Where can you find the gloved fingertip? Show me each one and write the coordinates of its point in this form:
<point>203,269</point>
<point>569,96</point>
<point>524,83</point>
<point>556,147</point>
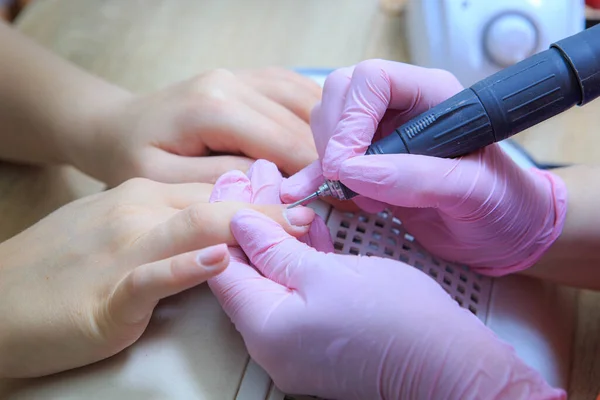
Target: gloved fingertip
<point>248,223</point>
<point>261,168</point>
<point>257,234</point>
<point>265,179</point>
<point>232,186</point>
<point>302,183</point>
<point>232,176</point>
<point>244,213</point>
<point>320,236</point>
<point>295,188</point>
<point>314,112</point>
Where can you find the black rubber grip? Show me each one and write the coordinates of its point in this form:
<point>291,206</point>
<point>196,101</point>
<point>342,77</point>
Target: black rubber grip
<point>446,130</point>
<point>505,103</point>
<point>528,93</point>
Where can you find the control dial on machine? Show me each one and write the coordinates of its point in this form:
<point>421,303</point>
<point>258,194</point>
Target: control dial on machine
<point>510,38</point>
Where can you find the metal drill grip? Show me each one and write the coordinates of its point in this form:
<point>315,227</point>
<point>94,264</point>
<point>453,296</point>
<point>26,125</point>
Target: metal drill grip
<point>336,189</point>
<point>503,104</point>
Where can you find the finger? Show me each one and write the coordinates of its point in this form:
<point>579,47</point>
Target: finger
<point>406,180</point>
<point>209,224</point>
<point>257,136</point>
<point>294,125</point>
<point>377,85</point>
<point>318,236</point>
<point>266,180</point>
<point>136,296</point>
<point>183,195</point>
<point>297,100</point>
<point>296,77</point>
<point>325,115</point>
<point>268,246</point>
<point>176,169</point>
<point>232,186</point>
<point>175,195</point>
<point>295,92</point>
<point>302,184</point>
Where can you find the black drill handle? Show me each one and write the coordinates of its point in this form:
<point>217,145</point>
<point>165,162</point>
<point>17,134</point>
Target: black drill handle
<point>505,103</point>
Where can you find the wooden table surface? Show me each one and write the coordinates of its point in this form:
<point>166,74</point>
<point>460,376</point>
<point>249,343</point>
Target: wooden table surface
<point>144,45</point>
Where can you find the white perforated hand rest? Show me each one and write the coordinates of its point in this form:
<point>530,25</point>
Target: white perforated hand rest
<point>383,235</point>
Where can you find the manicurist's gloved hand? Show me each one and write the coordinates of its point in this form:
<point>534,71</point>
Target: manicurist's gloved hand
<point>482,209</point>
<point>347,327</point>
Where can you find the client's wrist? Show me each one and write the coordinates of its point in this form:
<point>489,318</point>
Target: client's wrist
<point>88,145</point>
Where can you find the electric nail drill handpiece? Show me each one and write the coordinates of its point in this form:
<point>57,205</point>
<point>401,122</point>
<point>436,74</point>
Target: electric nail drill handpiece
<point>497,107</point>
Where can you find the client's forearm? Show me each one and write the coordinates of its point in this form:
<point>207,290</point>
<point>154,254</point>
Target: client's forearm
<point>46,104</point>
<point>574,259</point>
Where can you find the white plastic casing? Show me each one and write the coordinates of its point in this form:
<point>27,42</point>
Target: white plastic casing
<point>475,38</point>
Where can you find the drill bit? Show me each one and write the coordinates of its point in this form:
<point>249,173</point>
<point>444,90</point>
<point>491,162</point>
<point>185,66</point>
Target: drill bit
<point>323,190</point>
<point>304,200</point>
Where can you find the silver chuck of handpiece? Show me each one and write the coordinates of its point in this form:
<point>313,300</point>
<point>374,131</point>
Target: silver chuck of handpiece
<point>329,188</point>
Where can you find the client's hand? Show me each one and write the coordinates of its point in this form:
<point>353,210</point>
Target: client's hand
<point>198,129</point>
<point>81,284</point>
<point>346,327</point>
<point>482,210</point>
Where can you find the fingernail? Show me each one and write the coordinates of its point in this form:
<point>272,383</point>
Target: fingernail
<point>299,216</point>
<point>211,256</point>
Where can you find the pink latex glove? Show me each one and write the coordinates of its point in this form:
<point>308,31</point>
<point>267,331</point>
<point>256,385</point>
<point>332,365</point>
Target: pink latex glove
<point>482,210</point>
<point>348,327</point>
<point>262,186</point>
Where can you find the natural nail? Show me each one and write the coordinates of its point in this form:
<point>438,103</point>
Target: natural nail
<point>211,256</point>
<point>299,216</point>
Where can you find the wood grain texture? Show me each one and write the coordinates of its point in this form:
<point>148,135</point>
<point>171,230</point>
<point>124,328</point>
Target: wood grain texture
<point>144,45</point>
<point>585,376</point>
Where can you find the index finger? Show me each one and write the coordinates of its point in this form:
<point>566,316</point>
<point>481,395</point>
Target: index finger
<point>207,224</point>
<point>375,87</point>
<point>293,91</point>
<point>256,135</point>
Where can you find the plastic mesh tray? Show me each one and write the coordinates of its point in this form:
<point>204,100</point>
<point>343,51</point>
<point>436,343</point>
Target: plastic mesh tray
<point>383,235</point>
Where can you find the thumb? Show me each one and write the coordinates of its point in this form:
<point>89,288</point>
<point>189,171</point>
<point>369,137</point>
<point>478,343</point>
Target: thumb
<point>138,293</point>
<point>269,247</point>
<point>408,180</point>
